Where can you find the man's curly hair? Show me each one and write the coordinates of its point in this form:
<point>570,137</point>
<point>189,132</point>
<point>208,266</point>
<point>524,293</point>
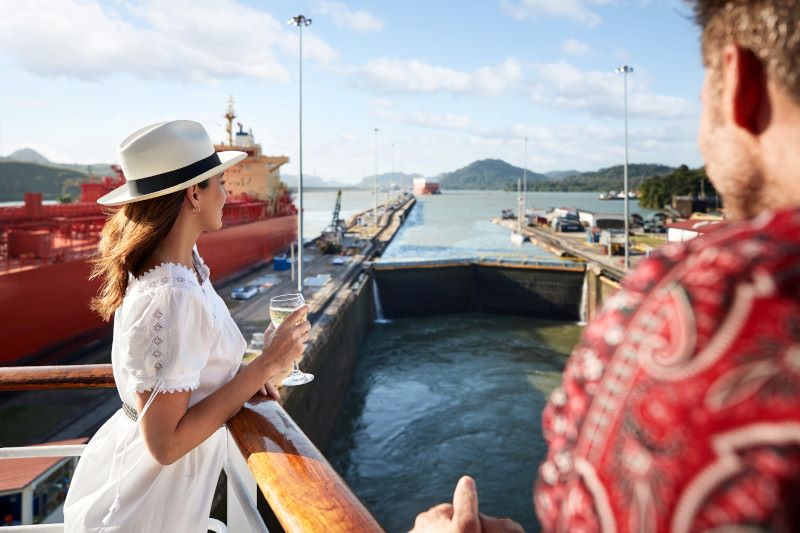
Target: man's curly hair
<point>770,29</point>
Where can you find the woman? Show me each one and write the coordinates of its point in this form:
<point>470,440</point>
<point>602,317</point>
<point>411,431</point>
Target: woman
<point>176,351</point>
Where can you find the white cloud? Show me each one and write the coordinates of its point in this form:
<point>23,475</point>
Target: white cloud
<point>380,102</point>
<point>575,48</point>
<point>387,75</point>
<point>151,39</point>
<point>425,119</point>
<point>601,93</point>
<point>576,10</point>
<point>359,21</point>
<point>588,146</point>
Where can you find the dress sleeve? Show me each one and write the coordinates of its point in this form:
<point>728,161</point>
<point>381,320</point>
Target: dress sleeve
<point>169,341</point>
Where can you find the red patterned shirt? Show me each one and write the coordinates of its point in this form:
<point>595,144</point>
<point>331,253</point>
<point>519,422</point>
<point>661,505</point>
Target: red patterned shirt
<point>679,409</point>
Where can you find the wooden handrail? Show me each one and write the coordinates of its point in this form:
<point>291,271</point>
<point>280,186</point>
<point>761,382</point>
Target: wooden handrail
<point>17,378</point>
<point>301,487</point>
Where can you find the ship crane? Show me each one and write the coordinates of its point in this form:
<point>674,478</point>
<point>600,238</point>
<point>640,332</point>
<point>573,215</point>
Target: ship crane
<point>330,242</point>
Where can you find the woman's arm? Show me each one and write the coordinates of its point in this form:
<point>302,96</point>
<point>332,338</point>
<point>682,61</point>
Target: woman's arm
<point>170,430</point>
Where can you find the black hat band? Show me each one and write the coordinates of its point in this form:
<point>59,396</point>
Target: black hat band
<point>160,182</point>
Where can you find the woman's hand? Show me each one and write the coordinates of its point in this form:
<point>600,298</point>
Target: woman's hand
<point>283,345</point>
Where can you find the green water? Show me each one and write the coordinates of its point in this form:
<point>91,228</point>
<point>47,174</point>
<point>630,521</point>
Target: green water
<point>443,396</point>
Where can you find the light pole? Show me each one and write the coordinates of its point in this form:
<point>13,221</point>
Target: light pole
<point>375,180</point>
<point>394,178</point>
<point>625,70</point>
<point>525,184</point>
<point>300,21</point>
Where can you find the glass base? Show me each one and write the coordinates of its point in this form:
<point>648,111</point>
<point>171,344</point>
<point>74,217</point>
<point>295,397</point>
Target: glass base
<point>297,378</point>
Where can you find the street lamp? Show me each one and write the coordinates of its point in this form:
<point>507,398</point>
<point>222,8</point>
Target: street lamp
<point>625,70</point>
<point>525,183</point>
<point>300,21</point>
<point>375,180</point>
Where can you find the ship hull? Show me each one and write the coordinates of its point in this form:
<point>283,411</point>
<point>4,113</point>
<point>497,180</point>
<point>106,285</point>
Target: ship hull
<point>44,311</point>
<point>426,188</point>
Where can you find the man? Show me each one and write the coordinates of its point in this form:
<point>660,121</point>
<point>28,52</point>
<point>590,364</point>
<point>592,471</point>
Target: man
<point>679,408</point>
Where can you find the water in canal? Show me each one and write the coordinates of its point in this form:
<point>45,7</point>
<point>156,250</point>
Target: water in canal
<point>437,397</point>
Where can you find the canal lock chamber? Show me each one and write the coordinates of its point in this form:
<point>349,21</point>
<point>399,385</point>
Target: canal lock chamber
<point>450,379</point>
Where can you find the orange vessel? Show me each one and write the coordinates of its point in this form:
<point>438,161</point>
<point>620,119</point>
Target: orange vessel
<point>44,253</point>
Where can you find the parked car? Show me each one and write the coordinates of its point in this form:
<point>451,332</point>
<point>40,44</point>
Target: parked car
<point>567,224</point>
<point>244,293</point>
<point>655,223</point>
<point>636,220</point>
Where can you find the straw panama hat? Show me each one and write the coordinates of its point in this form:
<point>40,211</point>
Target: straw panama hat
<point>167,157</point>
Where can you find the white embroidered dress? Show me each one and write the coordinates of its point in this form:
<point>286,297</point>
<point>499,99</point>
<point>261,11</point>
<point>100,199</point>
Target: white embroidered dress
<point>170,334</point>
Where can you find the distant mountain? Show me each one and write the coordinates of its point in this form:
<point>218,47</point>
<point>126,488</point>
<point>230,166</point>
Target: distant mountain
<point>17,178</point>
<point>309,180</point>
<point>605,179</point>
<point>487,174</point>
<point>29,155</point>
<point>402,180</point>
<point>561,174</point>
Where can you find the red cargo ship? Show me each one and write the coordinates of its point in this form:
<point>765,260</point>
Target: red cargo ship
<point>426,186</point>
<point>44,253</point>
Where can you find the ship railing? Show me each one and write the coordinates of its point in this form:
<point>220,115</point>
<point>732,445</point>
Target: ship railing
<point>302,490</point>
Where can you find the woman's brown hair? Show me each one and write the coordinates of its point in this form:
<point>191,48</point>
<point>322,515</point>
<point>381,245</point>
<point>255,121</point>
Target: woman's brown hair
<point>129,237</point>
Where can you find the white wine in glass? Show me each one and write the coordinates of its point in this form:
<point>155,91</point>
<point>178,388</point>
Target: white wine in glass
<point>279,308</point>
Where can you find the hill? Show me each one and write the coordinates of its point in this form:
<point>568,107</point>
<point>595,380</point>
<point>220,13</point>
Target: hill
<point>560,174</point>
<point>404,181</point>
<point>29,155</point>
<point>17,178</point>
<point>311,181</point>
<point>487,174</point>
<point>605,179</point>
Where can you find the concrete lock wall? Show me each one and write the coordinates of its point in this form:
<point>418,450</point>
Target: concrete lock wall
<point>340,331</point>
<point>331,357</point>
<point>544,292</point>
<point>599,289</point>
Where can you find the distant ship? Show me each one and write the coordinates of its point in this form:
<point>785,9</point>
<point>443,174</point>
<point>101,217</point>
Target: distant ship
<point>45,252</point>
<point>426,186</point>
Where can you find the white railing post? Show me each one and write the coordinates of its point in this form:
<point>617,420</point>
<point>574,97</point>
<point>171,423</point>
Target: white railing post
<point>27,506</point>
<point>243,512</point>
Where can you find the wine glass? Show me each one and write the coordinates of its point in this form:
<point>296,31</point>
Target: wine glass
<point>279,308</point>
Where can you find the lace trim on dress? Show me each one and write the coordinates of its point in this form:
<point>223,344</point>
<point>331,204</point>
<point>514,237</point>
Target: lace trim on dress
<point>170,386</point>
<point>181,275</point>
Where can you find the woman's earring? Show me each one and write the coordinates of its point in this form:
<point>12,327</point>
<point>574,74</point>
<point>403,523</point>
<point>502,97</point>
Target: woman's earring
<point>195,210</point>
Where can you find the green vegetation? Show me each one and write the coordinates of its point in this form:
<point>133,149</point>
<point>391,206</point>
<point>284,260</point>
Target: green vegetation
<point>494,174</point>
<point>657,192</point>
<point>652,240</point>
<point>487,174</point>
<point>603,180</point>
<point>18,178</point>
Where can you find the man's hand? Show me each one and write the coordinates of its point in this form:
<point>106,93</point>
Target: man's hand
<point>460,517</point>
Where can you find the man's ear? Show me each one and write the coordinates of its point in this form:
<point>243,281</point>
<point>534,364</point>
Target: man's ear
<point>747,92</point>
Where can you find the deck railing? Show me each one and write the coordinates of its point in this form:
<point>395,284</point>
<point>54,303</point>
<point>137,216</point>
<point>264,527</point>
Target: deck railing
<point>303,490</point>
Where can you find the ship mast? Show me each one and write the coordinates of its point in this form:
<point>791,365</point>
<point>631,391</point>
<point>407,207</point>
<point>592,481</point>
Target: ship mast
<point>229,116</point>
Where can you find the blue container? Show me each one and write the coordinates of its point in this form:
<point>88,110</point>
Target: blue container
<point>282,262</point>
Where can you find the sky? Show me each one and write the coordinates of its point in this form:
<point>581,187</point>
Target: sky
<point>444,82</point>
